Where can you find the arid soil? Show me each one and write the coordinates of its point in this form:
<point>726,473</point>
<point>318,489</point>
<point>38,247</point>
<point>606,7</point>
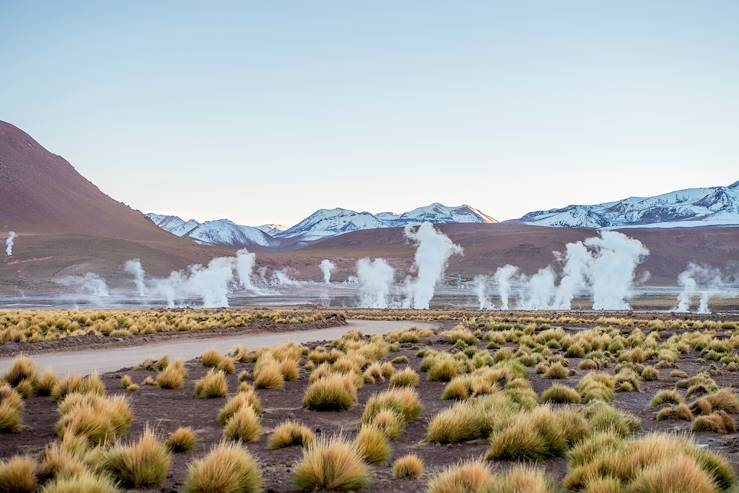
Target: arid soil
<point>167,410</point>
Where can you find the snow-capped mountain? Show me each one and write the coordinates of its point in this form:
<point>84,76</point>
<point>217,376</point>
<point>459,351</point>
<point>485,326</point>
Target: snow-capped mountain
<point>321,224</point>
<point>714,206</point>
<point>222,232</point>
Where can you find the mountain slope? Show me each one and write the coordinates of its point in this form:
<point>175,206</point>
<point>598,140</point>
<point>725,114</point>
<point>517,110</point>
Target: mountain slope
<point>714,206</point>
<point>223,232</point>
<point>66,225</point>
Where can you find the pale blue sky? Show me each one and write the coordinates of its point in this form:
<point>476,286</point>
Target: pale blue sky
<point>265,111</point>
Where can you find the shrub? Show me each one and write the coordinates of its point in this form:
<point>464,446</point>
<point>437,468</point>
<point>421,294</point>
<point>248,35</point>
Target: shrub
<point>537,434</point>
<point>143,464</point>
<point>242,399</point>
<point>183,439</point>
<point>717,422</point>
<point>211,358</point>
<point>18,475</point>
<point>95,418</point>
<point>389,422</point>
<point>332,464</point>
<point>268,374</point>
<point>226,468</point>
<point>22,368</point>
<point>81,482</point>
<point>244,425</point>
<point>408,467</point>
<point>172,377</point>
<point>372,445</point>
<point>467,477</point>
<point>335,392</point>
<point>403,401</point>
<point>560,394</point>
<point>405,378</point>
<point>290,433</point>
<point>11,410</point>
<point>77,384</point>
<point>212,385</point>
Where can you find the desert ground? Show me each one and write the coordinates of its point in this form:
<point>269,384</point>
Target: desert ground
<point>374,400</point>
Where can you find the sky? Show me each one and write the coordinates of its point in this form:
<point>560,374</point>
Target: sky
<point>265,111</point>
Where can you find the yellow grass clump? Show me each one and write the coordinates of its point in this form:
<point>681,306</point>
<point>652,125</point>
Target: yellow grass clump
<point>372,445</point>
<point>75,383</point>
<point>244,425</point>
<point>335,392</point>
<point>331,464</point>
<point>290,433</point>
<point>141,464</point>
<point>11,410</point>
<point>226,468</point>
<point>18,475</point>
<point>95,418</point>
<point>183,439</point>
<point>212,385</point>
<point>268,373</point>
<point>242,399</point>
<point>408,467</point>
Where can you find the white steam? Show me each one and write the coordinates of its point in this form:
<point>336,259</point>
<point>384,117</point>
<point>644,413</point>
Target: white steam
<point>701,281</point>
<point>612,267</point>
<point>538,291</point>
<point>245,262</point>
<point>89,284</point>
<point>327,267</point>
<point>502,278</point>
<point>481,290</point>
<point>432,254</point>
<point>9,241</point>
<point>134,268</point>
<point>280,278</point>
<point>375,279</point>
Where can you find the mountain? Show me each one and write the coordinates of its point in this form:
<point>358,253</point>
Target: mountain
<point>67,225</point>
<point>223,232</point>
<point>714,206</point>
<point>323,223</point>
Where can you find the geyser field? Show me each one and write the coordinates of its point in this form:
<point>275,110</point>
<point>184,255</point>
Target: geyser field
<point>437,401</point>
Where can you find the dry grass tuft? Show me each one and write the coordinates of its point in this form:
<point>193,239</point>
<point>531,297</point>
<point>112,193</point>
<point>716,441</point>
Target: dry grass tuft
<point>405,378</point>
<point>18,475</point>
<point>211,358</point>
<point>226,468</point>
<point>467,477</point>
<point>335,392</point>
<point>331,464</point>
<point>242,399</point>
<point>717,422</point>
<point>408,467</point>
<point>82,482</point>
<point>46,382</point>
<point>75,383</point>
<point>11,410</point>
<point>403,401</point>
<point>227,365</point>
<point>680,411</point>
<point>142,464</point>
<point>723,400</point>
<point>95,418</point>
<point>212,385</point>
<point>173,376</point>
<point>268,373</point>
<point>244,425</point>
<point>22,368</point>
<point>522,479</point>
<point>561,394</point>
<point>372,445</point>
<point>290,433</point>
<point>183,439</point>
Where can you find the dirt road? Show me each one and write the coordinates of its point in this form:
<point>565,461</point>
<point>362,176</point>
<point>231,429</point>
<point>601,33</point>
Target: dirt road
<point>102,360</point>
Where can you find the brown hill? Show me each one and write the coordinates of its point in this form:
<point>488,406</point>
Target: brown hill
<point>66,225</point>
<point>489,246</point>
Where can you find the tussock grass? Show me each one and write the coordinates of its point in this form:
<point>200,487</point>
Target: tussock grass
<point>227,365</point>
<point>717,422</point>
<point>467,477</point>
<point>408,467</point>
<point>22,368</point>
<point>598,442</point>
<point>537,435</point>
<point>173,376</point>
<point>11,410</point>
<point>149,380</point>
<point>18,475</point>
<point>403,401</point>
<point>289,433</point>
<point>723,400</point>
<point>268,373</point>
<point>141,464</point>
<point>212,385</point>
<point>373,374</point>
<point>472,419</point>
<point>290,369</point>
<point>335,392</point>
<point>406,377</point>
<point>557,371</point>
<point>242,399</point>
<point>82,482</point>
<point>679,411</point>
<point>331,464</point>
<point>372,445</point>
<point>226,468</point>
<point>603,417</point>
<point>58,460</point>
<point>652,463</point>
<point>480,382</point>
<point>46,382</point>
<point>389,422</point>
<point>126,381</point>
<point>183,439</point>
<point>522,479</point>
<point>95,418</point>
<point>244,425</point>
<point>75,383</point>
<point>666,397</point>
<point>211,358</point>
<point>597,386</point>
<point>443,367</point>
<point>560,394</point>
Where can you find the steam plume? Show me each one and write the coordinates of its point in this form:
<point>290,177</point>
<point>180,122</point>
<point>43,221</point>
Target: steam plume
<point>134,268</point>
<point>9,243</point>
<point>481,288</point>
<point>327,267</point>
<point>375,280</point>
<point>698,280</point>
<point>89,284</point>
<point>432,253</point>
<point>538,290</point>
<point>502,278</point>
<point>578,263</point>
<point>245,262</point>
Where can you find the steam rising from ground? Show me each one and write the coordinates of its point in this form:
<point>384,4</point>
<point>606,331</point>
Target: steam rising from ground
<point>327,267</point>
<point>481,290</point>
<point>375,282</point>
<point>502,278</point>
<point>614,260</point>
<point>245,262</point>
<point>701,281</point>
<point>89,284</point>
<point>9,241</point>
<point>134,268</point>
<point>432,254</point>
